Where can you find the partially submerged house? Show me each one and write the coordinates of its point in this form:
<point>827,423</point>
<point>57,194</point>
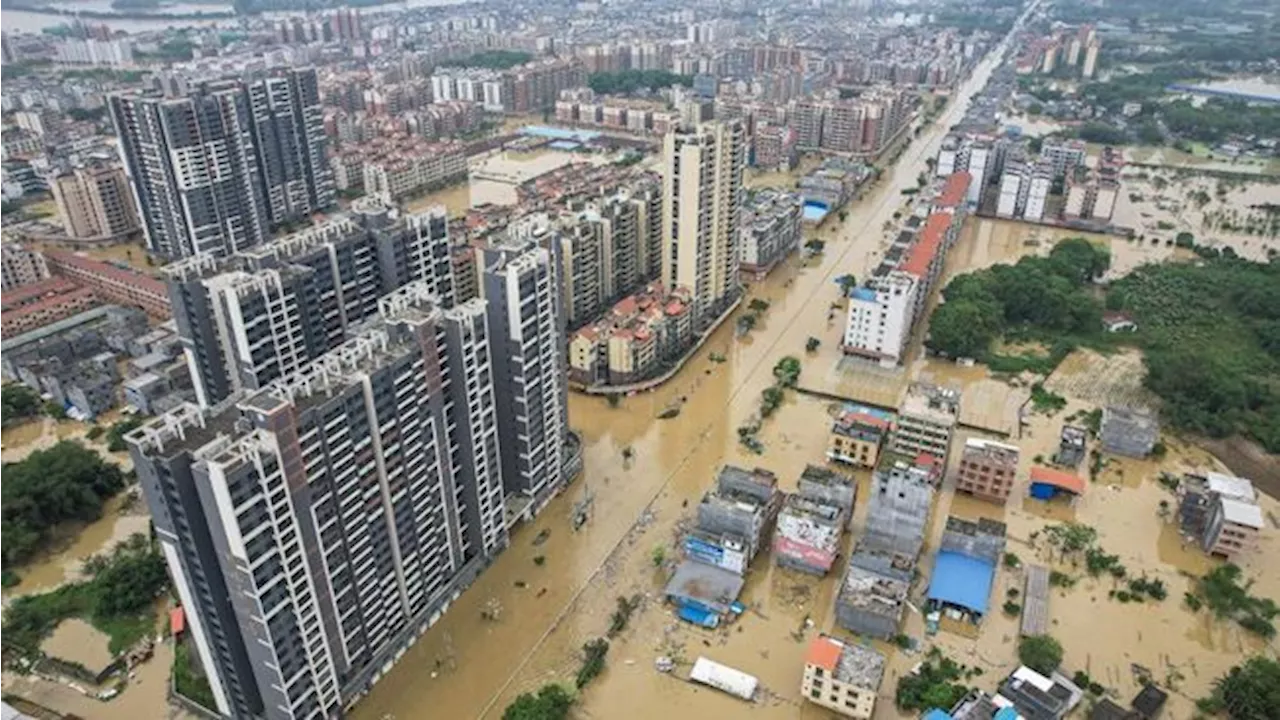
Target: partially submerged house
<point>964,570</point>
<point>1131,432</point>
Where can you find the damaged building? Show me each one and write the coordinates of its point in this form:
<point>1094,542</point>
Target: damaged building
<point>1220,512</point>
<point>733,521</point>
<point>812,521</point>
<point>874,589</point>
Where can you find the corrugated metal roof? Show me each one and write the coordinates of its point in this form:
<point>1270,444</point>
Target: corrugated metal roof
<point>724,678</point>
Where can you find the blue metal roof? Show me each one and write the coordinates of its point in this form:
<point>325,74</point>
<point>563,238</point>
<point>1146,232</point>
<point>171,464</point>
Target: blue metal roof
<point>962,580</point>
<point>863,293</point>
<point>936,714</point>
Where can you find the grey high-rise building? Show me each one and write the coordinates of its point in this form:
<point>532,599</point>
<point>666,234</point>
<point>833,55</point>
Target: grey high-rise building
<point>265,312</point>
<point>317,527</point>
<point>217,168</point>
<point>521,284</point>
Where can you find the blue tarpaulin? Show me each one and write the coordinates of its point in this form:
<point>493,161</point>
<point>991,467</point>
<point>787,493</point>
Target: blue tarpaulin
<point>962,581</point>
<point>698,616</point>
<point>936,714</point>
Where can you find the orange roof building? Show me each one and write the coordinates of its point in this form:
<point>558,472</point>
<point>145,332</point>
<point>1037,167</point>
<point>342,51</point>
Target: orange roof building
<point>1048,482</point>
<point>922,256</point>
<point>955,190</point>
<point>824,652</point>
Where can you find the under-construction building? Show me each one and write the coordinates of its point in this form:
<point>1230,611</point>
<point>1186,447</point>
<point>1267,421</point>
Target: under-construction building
<point>738,515</point>
<point>874,590</point>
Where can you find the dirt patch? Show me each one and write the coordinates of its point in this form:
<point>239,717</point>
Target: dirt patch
<point>1247,459</point>
<point>77,641</point>
<point>1099,379</point>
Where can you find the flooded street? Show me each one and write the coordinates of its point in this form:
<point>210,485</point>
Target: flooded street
<point>469,667</point>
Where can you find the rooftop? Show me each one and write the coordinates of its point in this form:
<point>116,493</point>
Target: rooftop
<point>962,580</point>
<point>922,254</point>
<point>991,449</point>
<point>848,663</point>
<point>1231,486</point>
<point>955,189</point>
<point>1242,513</point>
<point>1058,478</point>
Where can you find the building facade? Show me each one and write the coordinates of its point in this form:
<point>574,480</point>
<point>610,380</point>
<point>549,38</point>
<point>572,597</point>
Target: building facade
<point>21,266</point>
<point>702,214</point>
<point>95,202</point>
<point>268,311</point>
<point>216,169</point>
<point>318,527</point>
<point>520,284</point>
<point>842,677</point>
<point>987,470</point>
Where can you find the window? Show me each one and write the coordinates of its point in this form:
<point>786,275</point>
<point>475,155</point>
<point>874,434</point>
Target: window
<point>816,694</point>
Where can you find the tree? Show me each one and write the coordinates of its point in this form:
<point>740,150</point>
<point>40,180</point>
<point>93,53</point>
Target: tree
<point>758,305</point>
<point>963,329</point>
<point>593,654</point>
<point>812,344</point>
<point>1247,692</point>
<point>65,482</point>
<point>787,371</point>
<point>658,555</point>
<point>19,402</point>
<point>551,703</point>
<point>1040,653</point>
<point>115,436</point>
<point>847,283</point>
<point>1185,240</point>
<point>815,246</point>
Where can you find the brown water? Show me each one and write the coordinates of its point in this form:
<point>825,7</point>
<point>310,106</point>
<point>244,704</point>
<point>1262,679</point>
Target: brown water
<point>74,543</point>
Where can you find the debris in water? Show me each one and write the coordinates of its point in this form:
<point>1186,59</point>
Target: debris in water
<point>542,537</point>
<point>664,664</point>
<point>492,609</point>
<point>669,412</point>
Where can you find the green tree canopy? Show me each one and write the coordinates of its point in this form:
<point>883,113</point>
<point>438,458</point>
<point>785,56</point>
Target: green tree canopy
<point>19,402</point>
<point>551,703</point>
<point>1248,692</point>
<point>1040,653</point>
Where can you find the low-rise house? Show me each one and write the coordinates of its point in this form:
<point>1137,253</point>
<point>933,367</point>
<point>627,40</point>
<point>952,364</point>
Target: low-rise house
<point>1071,446</point>
<point>1128,431</point>
<point>809,527</point>
<point>842,677</point>
<point>926,420</point>
<point>857,435</point>
<point>987,470</point>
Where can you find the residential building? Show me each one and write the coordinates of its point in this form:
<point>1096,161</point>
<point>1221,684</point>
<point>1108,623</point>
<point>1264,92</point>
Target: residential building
<point>398,165</point>
<point>771,230</point>
<point>373,489</point>
<point>1131,432</point>
<point>842,677</point>
<point>873,593</point>
<point>1214,509</point>
<point>899,507</point>
<point>774,148</point>
<point>95,202</point>
<point>880,317</point>
<point>987,470</point>
<point>1064,155</point>
<point>92,51</point>
<point>266,312</point>
<point>637,339</point>
<point>857,434</point>
<point>42,303</point>
<point>735,519</point>
<point>21,266</point>
<point>258,162</point>
<point>110,282</point>
<point>1071,446</point>
<point>812,521</point>
<point>926,421</point>
<point>1091,59</point>
<point>520,284</point>
<point>702,215</point>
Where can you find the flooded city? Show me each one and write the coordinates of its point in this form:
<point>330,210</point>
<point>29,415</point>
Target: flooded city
<point>301,453</point>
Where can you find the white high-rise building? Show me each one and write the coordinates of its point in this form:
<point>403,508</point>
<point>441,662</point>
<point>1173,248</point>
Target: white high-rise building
<point>701,214</point>
<point>317,527</point>
<point>880,317</point>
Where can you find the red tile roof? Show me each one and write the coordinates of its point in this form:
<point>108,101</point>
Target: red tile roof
<point>1058,478</point>
<point>25,294</point>
<point>145,283</point>
<point>824,652</point>
<point>922,253</point>
<point>953,193</point>
<point>177,621</point>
